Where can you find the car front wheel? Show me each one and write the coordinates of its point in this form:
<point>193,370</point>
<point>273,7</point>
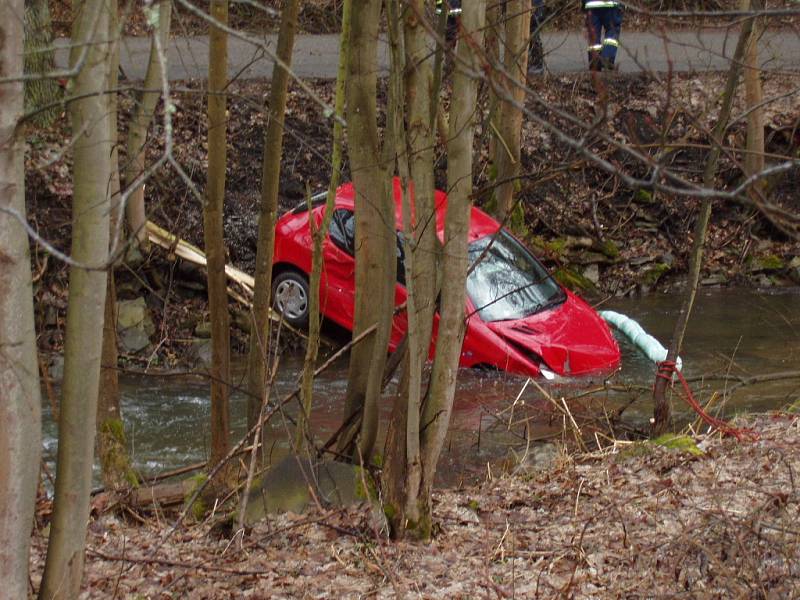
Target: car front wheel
<point>290,297</point>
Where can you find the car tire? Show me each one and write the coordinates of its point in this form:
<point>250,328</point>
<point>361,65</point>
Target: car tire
<point>290,297</point>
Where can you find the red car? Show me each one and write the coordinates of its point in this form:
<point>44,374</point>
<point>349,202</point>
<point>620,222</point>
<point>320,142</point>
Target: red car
<point>519,319</point>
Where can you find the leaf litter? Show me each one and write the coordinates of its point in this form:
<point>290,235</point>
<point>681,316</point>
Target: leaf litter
<point>633,520</point>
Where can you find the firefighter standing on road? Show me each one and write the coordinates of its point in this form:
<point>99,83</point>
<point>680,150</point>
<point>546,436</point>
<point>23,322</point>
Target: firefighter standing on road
<point>603,24</point>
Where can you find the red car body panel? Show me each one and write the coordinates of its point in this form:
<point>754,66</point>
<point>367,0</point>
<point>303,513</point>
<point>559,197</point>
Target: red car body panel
<point>569,338</point>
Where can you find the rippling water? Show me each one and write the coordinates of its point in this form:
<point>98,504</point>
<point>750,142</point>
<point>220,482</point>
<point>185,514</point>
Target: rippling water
<point>741,333</point>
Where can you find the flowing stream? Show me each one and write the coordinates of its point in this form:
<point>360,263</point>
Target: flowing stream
<point>735,332</point>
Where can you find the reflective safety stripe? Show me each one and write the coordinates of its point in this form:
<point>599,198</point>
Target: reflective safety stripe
<point>610,42</point>
<point>601,4</point>
<point>452,11</point>
<point>595,47</point>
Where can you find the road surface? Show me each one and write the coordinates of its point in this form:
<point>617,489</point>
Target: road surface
<point>316,56</point>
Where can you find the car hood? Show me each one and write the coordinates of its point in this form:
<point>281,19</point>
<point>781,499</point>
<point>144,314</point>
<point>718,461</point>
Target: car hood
<point>571,338</point>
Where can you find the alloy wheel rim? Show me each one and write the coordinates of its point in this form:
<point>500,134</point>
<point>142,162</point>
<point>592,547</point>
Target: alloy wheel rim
<point>291,299</point>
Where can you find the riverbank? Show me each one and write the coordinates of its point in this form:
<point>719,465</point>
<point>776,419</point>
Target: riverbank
<point>699,517</point>
<point>597,235</point>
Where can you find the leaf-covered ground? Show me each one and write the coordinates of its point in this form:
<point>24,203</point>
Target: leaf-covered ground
<point>715,520</point>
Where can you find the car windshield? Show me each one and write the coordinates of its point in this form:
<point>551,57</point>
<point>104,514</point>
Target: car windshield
<point>507,282</point>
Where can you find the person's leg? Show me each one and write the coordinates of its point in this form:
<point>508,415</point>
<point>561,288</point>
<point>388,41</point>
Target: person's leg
<point>535,49</point>
<point>593,32</point>
<point>612,24</point>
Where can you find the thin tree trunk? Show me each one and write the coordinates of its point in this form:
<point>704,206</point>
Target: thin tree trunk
<point>509,117</point>
<point>754,96</point>
<point>494,29</point>
<point>140,122</point>
<point>662,412</point>
<point>312,348</point>
<point>417,431</point>
<point>401,453</point>
<point>39,59</point>
<point>214,236</point>
<point>258,354</point>
<point>420,97</point>
<point>84,329</point>
<point>415,160</point>
<point>112,448</point>
<point>20,402</point>
<point>463,110</point>
<point>375,242</point>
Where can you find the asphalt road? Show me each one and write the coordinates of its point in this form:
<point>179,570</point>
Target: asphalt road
<point>316,56</point>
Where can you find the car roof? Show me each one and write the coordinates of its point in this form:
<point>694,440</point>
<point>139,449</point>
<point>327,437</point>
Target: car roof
<point>481,224</point>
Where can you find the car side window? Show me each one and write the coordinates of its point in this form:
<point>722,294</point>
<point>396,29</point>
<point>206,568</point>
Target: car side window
<point>343,230</point>
<point>343,235</point>
<point>401,260</point>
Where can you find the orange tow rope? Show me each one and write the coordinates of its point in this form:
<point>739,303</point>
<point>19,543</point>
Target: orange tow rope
<point>667,368</point>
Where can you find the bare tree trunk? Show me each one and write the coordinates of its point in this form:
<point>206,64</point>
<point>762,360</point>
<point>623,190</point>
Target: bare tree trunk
<point>420,97</point>
<point>509,117</point>
<point>112,449</point>
<point>258,355</point>
<point>455,263</point>
<point>401,453</point>
<point>662,412</point>
<point>140,122</point>
<point>754,96</point>
<point>39,59</point>
<point>84,329</point>
<point>312,349</point>
<point>494,34</point>
<point>415,159</point>
<point>412,455</point>
<point>375,235</point>
<point>20,402</point>
<point>214,236</point>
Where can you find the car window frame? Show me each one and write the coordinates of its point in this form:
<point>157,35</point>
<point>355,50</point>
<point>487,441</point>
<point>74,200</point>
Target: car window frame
<point>350,251</point>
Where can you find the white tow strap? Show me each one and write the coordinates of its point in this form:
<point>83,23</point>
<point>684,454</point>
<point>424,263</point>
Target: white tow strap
<point>646,343</point>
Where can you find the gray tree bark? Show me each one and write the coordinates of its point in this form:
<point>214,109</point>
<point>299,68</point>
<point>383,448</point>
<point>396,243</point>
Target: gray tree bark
<point>415,93</point>
<point>214,235</point>
<point>39,59</point>
<point>135,209</point>
<point>754,96</point>
<point>112,447</point>
<point>375,235</point>
<point>418,430</point>
<point>20,402</point>
<point>509,117</point>
<point>89,117</point>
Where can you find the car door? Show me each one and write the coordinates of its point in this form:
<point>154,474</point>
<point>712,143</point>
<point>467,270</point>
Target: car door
<point>338,300</point>
<point>337,293</point>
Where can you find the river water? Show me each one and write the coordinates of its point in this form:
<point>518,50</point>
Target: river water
<point>734,332</point>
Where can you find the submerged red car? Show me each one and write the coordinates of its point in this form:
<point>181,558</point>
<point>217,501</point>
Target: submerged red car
<point>519,319</point>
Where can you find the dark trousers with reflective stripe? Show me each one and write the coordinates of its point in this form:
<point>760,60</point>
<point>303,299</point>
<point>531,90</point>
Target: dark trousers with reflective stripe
<point>602,27</point>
